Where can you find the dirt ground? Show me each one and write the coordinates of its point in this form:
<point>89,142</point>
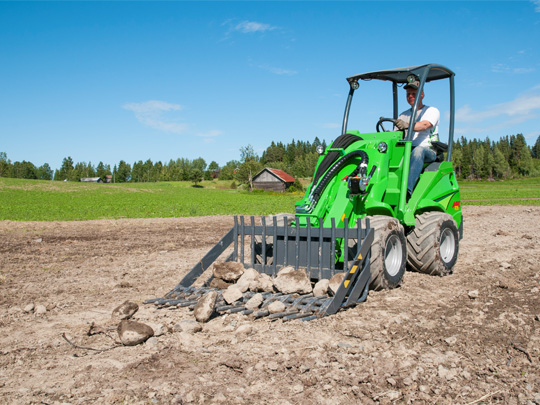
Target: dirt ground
<point>472,337</point>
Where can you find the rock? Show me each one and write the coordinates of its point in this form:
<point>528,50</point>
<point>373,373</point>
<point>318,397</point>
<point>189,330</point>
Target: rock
<point>335,282</point>
<point>321,288</point>
<point>132,333</point>
<point>505,265</point>
<point>264,283</point>
<point>232,294</point>
<point>276,307</point>
<point>245,329</point>
<point>290,281</point>
<point>272,365</point>
<point>188,326</point>
<point>473,294</point>
<point>286,270</point>
<point>29,308</point>
<point>40,309</point>
<point>451,340</point>
<point>125,310</point>
<point>228,271</point>
<point>280,219</point>
<point>152,343</point>
<point>159,329</point>
<point>219,284</point>
<point>249,277</point>
<point>446,373</point>
<point>205,307</point>
<point>255,301</point>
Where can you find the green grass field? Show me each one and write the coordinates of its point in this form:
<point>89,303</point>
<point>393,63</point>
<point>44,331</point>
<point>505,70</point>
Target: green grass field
<point>509,192</point>
<point>33,200</point>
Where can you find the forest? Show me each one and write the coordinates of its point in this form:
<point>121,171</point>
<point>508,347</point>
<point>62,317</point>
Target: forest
<point>508,158</point>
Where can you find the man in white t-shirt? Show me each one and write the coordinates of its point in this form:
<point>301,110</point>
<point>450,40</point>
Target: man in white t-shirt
<point>426,130</point>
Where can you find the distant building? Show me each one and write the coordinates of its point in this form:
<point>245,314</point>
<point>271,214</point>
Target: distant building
<point>91,180</point>
<point>108,178</point>
<point>272,180</point>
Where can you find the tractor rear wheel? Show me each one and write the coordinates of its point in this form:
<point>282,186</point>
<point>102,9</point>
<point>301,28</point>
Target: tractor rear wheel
<point>433,244</point>
<point>388,252</point>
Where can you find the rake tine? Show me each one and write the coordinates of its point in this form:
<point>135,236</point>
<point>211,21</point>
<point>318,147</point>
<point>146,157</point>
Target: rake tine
<point>282,314</point>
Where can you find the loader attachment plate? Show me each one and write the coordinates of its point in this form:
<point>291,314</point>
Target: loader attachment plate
<point>269,248</point>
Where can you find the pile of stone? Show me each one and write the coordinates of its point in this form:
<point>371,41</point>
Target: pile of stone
<point>234,280</point>
<point>131,333</point>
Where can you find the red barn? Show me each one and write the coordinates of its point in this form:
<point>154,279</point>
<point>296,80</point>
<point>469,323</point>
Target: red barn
<point>272,180</point>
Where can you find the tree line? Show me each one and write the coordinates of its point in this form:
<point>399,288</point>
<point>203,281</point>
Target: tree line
<point>509,157</point>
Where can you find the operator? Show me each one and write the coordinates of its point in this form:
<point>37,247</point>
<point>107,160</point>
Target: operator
<point>426,130</point>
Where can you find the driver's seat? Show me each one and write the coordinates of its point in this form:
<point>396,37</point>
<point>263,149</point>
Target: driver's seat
<point>440,148</point>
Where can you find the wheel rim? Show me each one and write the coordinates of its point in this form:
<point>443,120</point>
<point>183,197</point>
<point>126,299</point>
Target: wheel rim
<point>448,245</point>
<point>393,255</point>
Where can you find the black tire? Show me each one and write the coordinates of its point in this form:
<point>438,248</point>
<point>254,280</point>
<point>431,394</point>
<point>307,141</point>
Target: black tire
<point>388,252</point>
<point>433,245</point>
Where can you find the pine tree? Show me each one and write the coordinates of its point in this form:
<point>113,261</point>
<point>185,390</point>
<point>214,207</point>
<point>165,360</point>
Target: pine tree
<point>457,158</point>
<point>478,163</point>
<point>5,165</point>
<point>466,160</point>
<point>501,168</point>
<point>66,170</point>
<point>123,173</point>
<point>488,160</point>
<point>536,149</point>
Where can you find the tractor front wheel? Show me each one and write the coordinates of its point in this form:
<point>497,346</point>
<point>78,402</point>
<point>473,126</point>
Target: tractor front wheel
<point>433,244</point>
<point>388,253</point>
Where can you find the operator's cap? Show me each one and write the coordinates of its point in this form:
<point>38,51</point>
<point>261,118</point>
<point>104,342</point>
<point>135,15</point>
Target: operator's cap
<point>412,85</point>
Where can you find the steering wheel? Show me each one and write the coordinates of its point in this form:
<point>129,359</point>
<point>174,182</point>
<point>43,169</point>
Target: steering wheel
<point>381,126</point>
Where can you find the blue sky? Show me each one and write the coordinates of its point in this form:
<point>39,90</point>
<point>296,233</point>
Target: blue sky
<point>105,81</point>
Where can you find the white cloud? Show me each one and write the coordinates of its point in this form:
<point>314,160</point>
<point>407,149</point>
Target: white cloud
<point>524,108</point>
<point>151,114</point>
<point>210,134</point>
<point>502,68</point>
<point>537,4</point>
<point>331,125</point>
<point>247,27</point>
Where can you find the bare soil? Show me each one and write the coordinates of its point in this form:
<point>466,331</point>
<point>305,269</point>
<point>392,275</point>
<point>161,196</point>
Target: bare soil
<point>471,337</point>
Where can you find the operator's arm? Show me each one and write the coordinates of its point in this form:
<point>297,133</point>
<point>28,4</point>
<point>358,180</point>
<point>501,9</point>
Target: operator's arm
<point>422,125</point>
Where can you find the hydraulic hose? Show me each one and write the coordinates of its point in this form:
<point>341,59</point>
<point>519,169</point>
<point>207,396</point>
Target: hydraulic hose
<point>341,142</point>
<point>316,193</point>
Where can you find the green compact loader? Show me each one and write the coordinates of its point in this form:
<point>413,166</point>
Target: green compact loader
<point>356,217</point>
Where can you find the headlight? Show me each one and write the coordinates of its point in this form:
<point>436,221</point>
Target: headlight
<point>319,149</point>
<point>383,147</point>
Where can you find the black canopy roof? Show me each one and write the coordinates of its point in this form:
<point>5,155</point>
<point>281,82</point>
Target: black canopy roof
<point>399,75</point>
